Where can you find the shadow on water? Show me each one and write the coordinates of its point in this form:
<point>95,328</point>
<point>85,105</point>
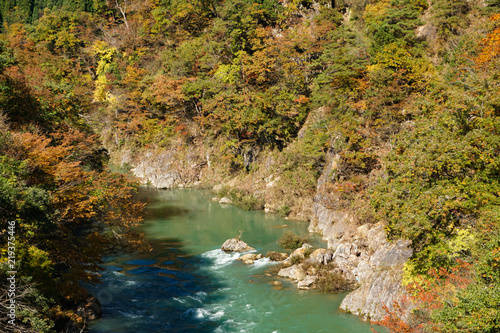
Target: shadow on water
<point>165,290</point>
<point>160,204</point>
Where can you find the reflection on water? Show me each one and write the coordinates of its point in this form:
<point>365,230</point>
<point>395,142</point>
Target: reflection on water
<point>188,285</point>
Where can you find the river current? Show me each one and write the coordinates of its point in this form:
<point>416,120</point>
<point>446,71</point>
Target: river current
<point>187,284</point>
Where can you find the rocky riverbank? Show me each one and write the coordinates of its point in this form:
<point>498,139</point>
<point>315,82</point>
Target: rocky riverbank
<point>364,262</point>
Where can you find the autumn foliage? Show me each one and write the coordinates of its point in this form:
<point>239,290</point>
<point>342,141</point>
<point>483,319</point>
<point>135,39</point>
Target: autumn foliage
<point>401,94</point>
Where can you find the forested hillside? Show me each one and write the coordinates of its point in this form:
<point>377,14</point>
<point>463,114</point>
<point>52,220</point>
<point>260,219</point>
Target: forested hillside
<point>403,93</point>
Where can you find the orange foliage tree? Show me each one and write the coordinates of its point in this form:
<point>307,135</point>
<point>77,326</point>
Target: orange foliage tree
<point>86,211</point>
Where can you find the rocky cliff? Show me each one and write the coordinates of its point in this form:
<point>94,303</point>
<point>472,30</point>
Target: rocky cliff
<point>362,252</point>
<point>167,168</point>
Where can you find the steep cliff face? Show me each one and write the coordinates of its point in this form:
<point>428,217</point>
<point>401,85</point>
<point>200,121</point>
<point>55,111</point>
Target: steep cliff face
<point>378,271</point>
<point>366,257</point>
<point>362,253</point>
<point>167,168</point>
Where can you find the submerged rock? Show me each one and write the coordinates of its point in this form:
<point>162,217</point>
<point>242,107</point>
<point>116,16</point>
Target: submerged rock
<point>276,256</point>
<point>236,245</point>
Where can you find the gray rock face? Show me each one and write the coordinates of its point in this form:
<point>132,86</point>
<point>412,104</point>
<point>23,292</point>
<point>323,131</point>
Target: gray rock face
<point>391,254</point>
<point>368,259</point>
<point>154,170</point>
<point>331,224</point>
<point>321,256</point>
<point>363,271</point>
<point>236,245</point>
<point>165,180</point>
<point>376,237</point>
<point>345,250</point>
<point>164,168</point>
<point>362,255</point>
<point>382,289</point>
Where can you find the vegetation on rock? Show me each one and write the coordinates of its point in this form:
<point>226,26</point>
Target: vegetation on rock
<point>289,240</point>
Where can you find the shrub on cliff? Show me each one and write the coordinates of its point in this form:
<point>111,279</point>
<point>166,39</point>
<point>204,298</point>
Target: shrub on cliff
<point>329,282</point>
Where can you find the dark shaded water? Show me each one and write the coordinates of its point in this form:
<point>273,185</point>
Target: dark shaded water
<point>188,285</point>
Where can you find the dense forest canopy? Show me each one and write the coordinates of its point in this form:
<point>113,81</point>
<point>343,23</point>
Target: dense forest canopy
<point>404,92</point>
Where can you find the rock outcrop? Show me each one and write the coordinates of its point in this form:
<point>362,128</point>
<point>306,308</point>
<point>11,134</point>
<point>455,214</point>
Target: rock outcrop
<point>361,254</point>
<point>321,256</point>
<point>364,257</point>
<point>236,245</point>
<point>382,288</point>
<point>301,251</point>
<point>379,273</point>
<point>225,200</point>
<point>90,309</point>
<point>165,170</point>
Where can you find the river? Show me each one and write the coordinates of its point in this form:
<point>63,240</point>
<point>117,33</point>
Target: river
<point>186,284</point>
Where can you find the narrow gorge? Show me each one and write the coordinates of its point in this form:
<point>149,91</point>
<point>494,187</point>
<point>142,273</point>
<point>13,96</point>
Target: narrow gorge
<point>362,252</point>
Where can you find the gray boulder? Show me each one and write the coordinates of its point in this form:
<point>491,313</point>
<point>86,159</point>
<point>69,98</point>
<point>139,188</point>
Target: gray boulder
<point>308,281</point>
<point>295,272</point>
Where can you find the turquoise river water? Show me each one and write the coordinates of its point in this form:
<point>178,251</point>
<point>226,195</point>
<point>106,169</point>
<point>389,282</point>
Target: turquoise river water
<point>187,284</point>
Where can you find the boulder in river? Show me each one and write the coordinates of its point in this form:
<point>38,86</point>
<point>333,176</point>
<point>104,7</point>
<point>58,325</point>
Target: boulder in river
<point>249,258</point>
<point>236,245</point>
<point>295,272</point>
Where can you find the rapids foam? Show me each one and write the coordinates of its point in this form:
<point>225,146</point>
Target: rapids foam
<point>263,262</point>
<point>200,313</point>
<point>220,258</point>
